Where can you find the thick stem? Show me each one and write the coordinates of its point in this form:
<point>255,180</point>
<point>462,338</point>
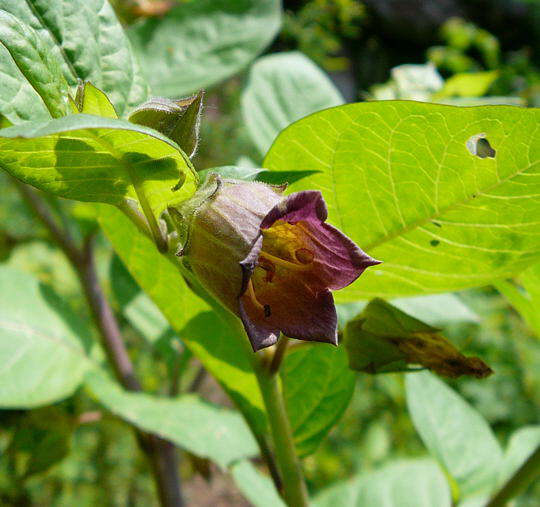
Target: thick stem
<point>294,486</point>
<point>161,453</point>
<point>279,355</point>
<point>522,478</point>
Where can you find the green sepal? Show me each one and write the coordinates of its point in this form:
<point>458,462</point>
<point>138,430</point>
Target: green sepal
<point>384,339</point>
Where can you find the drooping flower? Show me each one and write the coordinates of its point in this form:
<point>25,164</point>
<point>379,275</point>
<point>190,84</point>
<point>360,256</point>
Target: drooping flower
<point>270,259</point>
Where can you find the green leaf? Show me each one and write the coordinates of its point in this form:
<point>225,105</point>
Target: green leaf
<point>42,438</point>
<point>255,486</point>
<point>42,343</point>
<point>201,43</point>
<point>215,344</point>
<point>89,42</point>
<point>401,483</point>
<point>203,333</point>
<point>522,444</point>
<point>525,302</point>
<point>399,179</point>
<point>90,158</point>
<point>467,84</point>
<point>437,310</point>
<point>281,89</point>
<point>32,84</point>
<point>384,339</point>
<point>199,427</point>
<point>454,433</point>
<point>317,387</point>
<point>233,172</point>
<point>92,100</point>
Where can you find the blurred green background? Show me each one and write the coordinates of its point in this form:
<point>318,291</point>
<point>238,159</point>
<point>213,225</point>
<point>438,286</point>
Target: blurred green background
<point>84,456</point>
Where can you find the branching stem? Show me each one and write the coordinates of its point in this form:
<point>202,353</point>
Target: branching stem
<point>160,453</point>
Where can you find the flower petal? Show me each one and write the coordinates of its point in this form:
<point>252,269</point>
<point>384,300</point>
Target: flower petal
<point>338,260</point>
<point>296,312</point>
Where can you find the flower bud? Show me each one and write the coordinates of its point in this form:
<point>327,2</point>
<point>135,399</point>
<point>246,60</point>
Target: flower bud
<point>270,259</point>
<point>179,120</point>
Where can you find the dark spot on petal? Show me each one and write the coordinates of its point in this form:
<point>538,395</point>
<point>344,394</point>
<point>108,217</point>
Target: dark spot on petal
<point>479,146</point>
<point>304,255</point>
<point>434,242</point>
<point>267,311</point>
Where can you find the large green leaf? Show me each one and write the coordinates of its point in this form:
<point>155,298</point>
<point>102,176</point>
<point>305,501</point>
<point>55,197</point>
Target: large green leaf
<point>207,336</point>
<point>255,486</point>
<point>89,42</point>
<point>200,43</point>
<point>401,180</point>
<point>521,445</point>
<point>317,387</point>
<point>31,82</point>
<point>90,158</point>
<point>204,429</point>
<point>281,89</point>
<point>42,343</point>
<point>454,433</point>
<point>402,483</point>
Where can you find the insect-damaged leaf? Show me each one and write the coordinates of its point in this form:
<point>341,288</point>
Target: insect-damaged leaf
<point>384,339</point>
<point>399,180</point>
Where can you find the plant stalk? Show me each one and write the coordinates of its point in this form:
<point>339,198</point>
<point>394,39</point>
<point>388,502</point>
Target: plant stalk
<point>523,477</point>
<point>160,453</point>
<point>292,479</point>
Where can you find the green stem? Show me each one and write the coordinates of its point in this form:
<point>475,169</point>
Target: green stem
<point>523,477</point>
<point>157,234</point>
<point>294,486</point>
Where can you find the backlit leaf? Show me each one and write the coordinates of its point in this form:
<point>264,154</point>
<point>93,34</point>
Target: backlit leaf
<point>90,158</point>
<point>400,180</point>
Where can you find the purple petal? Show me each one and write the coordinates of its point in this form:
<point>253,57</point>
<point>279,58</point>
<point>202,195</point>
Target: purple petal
<point>339,261</point>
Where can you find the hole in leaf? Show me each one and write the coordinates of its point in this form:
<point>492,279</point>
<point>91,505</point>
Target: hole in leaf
<point>479,146</point>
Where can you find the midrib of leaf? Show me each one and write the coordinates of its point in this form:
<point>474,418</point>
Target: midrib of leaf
<point>441,211</point>
<point>141,196</point>
<point>29,81</point>
<point>43,22</point>
<point>32,332</point>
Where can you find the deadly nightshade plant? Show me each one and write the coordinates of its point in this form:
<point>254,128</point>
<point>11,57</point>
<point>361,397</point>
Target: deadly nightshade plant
<point>270,259</point>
